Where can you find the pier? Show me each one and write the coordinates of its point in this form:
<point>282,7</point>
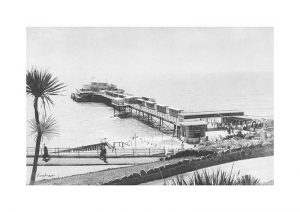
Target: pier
<point>187,126</point>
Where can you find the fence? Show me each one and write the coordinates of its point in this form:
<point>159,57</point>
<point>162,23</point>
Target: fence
<point>115,153</point>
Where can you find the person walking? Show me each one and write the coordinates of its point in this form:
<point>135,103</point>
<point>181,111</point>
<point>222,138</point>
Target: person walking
<point>103,153</point>
<point>46,156</point>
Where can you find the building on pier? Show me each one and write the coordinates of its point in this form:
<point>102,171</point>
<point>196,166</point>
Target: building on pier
<point>150,105</point>
<point>161,108</point>
<point>174,112</point>
<point>141,102</point>
<point>192,131</point>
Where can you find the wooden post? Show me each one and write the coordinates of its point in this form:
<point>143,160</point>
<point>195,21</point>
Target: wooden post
<point>133,151</point>
<point>174,130</point>
<point>58,151</point>
<point>159,123</point>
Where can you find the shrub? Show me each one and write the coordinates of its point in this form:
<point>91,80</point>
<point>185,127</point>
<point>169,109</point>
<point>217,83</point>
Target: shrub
<point>190,153</point>
<point>215,178</point>
<point>143,172</point>
<point>151,171</point>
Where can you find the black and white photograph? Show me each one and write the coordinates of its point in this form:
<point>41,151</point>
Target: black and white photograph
<point>161,105</point>
<point>149,106</point>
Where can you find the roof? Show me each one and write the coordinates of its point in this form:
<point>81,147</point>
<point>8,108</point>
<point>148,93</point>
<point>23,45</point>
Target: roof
<point>209,114</point>
<point>210,111</point>
<point>149,102</point>
<point>193,123</point>
<point>161,105</point>
<point>248,117</point>
<point>172,108</point>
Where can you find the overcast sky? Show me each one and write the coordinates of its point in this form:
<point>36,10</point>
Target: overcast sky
<point>79,54</point>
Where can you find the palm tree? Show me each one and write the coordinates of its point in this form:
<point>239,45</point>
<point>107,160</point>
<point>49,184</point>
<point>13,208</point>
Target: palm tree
<point>41,85</point>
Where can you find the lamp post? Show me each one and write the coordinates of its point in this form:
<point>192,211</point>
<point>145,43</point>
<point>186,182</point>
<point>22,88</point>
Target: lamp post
<point>134,140</point>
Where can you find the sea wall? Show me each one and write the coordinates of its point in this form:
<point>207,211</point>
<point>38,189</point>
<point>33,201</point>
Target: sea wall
<point>191,164</point>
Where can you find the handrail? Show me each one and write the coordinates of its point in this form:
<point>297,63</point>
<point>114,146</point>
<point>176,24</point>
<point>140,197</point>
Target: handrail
<point>118,152</point>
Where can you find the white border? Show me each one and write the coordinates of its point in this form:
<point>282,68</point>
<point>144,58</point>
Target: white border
<point>16,15</point>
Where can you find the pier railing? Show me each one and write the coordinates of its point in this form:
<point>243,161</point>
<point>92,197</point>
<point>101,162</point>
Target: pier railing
<point>115,153</point>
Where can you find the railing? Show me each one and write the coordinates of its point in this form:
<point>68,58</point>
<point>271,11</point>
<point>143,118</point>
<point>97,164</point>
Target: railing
<point>115,153</point>
<point>167,117</point>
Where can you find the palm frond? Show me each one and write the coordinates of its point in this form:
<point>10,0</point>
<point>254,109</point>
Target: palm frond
<point>41,84</point>
<point>48,127</point>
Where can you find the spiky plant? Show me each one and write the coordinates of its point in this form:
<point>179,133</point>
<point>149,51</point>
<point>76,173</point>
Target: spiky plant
<point>248,180</point>
<point>214,178</point>
<point>40,85</point>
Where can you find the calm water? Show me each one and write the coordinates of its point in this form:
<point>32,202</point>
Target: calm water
<point>85,123</point>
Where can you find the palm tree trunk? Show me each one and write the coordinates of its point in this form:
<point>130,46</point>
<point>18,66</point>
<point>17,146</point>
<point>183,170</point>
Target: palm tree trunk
<point>38,142</point>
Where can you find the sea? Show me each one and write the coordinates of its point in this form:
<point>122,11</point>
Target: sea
<point>86,123</point>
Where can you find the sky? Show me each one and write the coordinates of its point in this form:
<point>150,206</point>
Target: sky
<point>79,55</point>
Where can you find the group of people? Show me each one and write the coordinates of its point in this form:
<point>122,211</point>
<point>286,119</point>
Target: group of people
<point>250,125</point>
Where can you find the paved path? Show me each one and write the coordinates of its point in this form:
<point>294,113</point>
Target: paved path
<point>99,177</point>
